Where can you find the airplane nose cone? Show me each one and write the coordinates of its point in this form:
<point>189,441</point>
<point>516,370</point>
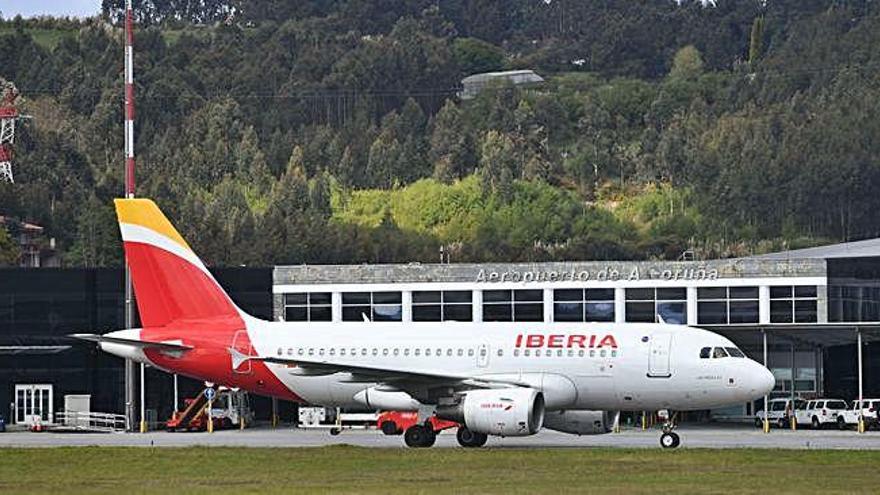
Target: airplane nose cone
<point>766,381</point>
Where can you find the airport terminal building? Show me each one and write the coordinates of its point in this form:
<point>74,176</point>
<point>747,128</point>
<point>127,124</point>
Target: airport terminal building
<point>806,308</point>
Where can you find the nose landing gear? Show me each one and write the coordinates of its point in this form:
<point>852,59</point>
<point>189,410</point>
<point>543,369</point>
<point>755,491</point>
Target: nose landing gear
<point>669,439</point>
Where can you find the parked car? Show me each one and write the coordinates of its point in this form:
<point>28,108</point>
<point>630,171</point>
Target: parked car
<point>819,413</point>
<point>869,410</point>
<point>779,412</point>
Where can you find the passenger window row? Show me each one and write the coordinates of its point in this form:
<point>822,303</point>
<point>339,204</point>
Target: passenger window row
<point>562,353</point>
<point>385,351</point>
<point>439,352</point>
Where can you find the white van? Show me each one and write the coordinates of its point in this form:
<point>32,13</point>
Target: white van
<point>869,409</point>
<point>821,412</point>
<point>779,412</point>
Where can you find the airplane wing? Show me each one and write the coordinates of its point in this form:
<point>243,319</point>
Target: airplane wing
<point>392,375</point>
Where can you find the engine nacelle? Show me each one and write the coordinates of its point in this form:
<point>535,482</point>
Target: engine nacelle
<point>580,422</point>
<point>508,412</point>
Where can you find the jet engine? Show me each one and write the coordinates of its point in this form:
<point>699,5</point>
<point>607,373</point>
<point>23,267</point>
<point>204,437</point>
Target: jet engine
<point>580,422</point>
<point>508,412</point>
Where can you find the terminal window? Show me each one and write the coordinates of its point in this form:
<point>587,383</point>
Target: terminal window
<point>377,306</point>
<point>727,305</point>
<point>513,305</point>
<point>583,305</point>
<point>793,304</point>
<point>853,303</point>
<point>447,305</point>
<point>854,289</point>
<point>307,306</point>
<point>646,304</point>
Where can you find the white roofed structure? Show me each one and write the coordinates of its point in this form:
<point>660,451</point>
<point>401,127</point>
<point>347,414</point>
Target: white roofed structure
<point>472,85</point>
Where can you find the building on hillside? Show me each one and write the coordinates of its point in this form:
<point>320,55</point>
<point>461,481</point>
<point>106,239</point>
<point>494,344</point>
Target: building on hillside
<point>474,84</point>
<point>36,251</point>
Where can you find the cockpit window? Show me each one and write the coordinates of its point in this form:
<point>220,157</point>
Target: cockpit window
<point>734,352</point>
<point>719,352</point>
<point>705,352</point>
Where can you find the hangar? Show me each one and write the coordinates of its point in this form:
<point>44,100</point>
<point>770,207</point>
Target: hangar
<point>40,365</point>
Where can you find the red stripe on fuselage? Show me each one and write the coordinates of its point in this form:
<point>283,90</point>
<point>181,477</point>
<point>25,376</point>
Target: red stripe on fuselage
<point>177,301</point>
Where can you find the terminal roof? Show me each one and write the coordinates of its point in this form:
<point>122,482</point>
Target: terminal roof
<point>855,249</point>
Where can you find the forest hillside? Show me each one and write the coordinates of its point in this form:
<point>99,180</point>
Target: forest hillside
<point>332,131</point>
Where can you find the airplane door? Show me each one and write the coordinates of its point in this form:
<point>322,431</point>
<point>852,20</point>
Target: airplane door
<point>658,357</point>
<point>483,356</point>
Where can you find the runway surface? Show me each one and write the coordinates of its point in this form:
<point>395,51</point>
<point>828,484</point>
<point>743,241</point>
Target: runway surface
<point>691,437</point>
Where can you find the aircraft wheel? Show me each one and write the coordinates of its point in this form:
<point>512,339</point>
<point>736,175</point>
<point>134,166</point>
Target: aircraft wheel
<point>389,428</point>
<point>467,438</point>
<point>670,440</point>
<point>418,436</point>
<point>431,438</point>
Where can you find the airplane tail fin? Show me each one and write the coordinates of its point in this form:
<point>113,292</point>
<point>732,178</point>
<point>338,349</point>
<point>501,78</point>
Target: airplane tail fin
<point>170,282</point>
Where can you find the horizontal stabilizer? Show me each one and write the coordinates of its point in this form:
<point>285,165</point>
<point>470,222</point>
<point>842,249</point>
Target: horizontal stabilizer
<point>141,344</point>
<point>238,357</point>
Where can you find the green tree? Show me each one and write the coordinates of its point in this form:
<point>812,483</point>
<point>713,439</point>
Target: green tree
<point>451,146</point>
<point>97,240</point>
<point>384,159</point>
<point>687,64</point>
<point>474,55</point>
<point>9,250</point>
<point>756,41</point>
<point>498,162</point>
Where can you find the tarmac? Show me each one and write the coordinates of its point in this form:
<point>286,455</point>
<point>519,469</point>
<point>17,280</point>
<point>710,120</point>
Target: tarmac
<point>696,436</point>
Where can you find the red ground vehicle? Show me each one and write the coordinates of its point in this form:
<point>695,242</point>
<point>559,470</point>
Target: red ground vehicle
<point>397,422</point>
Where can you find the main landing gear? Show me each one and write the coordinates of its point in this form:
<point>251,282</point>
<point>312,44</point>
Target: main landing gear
<point>423,435</point>
<point>469,439</point>
<point>418,436</point>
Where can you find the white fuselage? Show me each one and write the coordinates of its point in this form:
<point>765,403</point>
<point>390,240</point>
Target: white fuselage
<point>648,367</point>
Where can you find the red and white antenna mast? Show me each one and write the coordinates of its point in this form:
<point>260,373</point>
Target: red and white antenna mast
<point>8,117</point>
<point>130,388</point>
<point>129,101</point>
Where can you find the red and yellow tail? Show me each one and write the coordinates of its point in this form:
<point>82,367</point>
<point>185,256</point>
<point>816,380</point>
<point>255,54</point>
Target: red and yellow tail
<point>170,282</point>
<point>182,305</point>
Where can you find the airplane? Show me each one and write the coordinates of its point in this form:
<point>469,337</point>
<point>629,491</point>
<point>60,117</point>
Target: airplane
<point>503,379</point>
